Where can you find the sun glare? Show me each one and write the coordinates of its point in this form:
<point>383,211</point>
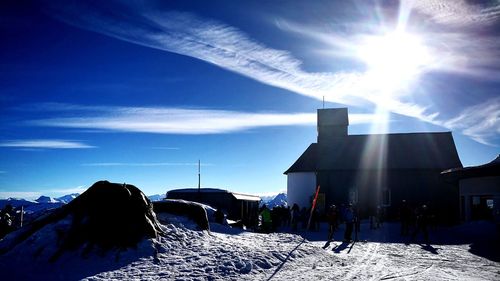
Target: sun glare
<point>396,55</point>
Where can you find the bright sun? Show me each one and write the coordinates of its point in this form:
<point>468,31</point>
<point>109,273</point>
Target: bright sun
<point>397,55</point>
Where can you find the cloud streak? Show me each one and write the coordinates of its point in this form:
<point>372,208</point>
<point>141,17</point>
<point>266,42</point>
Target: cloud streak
<point>228,48</point>
<point>45,144</point>
<point>164,120</point>
<point>459,12</point>
<point>20,194</point>
<point>121,164</point>
<point>481,122</point>
<point>231,49</point>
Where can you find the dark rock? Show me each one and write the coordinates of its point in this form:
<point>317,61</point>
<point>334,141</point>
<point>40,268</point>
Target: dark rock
<point>107,215</point>
<point>193,210</point>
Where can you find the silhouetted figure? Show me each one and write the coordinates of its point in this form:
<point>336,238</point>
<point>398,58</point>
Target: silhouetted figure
<point>342,212</point>
<point>349,223</point>
<point>276,218</point>
<point>265,216</point>
<point>422,216</point>
<point>286,216</point>
<point>303,217</point>
<point>405,216</point>
<point>219,216</point>
<point>6,223</point>
<point>379,216</point>
<point>357,223</point>
<point>372,218</point>
<point>332,218</point>
<point>295,216</point>
<point>314,220</point>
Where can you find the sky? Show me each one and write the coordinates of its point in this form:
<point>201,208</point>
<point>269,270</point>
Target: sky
<point>140,91</point>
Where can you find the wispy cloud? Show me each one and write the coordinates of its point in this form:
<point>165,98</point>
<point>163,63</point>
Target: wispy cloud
<point>460,12</point>
<point>31,195</point>
<point>226,47</point>
<point>20,194</point>
<point>45,144</point>
<point>65,191</point>
<point>481,122</point>
<point>231,49</point>
<point>162,120</point>
<point>161,164</point>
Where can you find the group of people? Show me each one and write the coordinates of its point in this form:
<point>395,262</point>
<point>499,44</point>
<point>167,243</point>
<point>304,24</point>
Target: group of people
<point>6,220</point>
<point>281,216</point>
<point>347,214</point>
<point>302,217</point>
<point>415,219</point>
<point>418,217</point>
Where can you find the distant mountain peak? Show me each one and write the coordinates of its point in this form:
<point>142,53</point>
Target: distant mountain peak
<point>67,198</point>
<point>46,199</point>
<point>274,201</point>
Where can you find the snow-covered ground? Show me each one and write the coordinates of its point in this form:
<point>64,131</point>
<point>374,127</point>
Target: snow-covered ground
<point>185,253</point>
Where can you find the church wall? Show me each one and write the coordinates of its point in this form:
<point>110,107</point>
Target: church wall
<point>370,188</point>
<point>300,187</point>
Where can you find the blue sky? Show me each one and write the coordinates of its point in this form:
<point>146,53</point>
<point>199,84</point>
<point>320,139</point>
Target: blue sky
<point>138,91</point>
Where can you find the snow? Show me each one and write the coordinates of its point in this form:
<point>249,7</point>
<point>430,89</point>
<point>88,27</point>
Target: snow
<point>183,253</point>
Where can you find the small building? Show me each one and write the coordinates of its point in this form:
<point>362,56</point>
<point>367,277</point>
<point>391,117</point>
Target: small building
<point>375,170</point>
<point>479,188</point>
<point>237,206</point>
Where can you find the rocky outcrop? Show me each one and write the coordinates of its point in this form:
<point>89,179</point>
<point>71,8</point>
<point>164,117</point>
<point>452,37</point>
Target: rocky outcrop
<point>107,215</point>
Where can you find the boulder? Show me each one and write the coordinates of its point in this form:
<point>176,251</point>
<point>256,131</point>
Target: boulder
<point>107,215</point>
<point>193,210</point>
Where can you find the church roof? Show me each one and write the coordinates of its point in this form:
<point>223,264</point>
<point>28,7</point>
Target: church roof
<point>381,151</point>
<point>307,162</point>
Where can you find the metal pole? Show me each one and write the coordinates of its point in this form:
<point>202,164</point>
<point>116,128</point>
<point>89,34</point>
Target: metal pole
<point>22,215</point>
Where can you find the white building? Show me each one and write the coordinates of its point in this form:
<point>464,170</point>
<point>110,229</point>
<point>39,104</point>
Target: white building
<point>479,190</point>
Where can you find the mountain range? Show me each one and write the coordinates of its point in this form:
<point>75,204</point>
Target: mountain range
<point>274,200</point>
<point>46,202</point>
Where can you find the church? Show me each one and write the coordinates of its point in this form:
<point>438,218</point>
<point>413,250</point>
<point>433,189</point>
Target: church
<point>375,170</point>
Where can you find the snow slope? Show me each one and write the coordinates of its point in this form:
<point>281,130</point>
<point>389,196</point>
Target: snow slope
<point>184,253</point>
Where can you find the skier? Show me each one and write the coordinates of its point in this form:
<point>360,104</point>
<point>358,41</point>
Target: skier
<point>405,216</point>
<point>357,223</point>
<point>332,218</point>
<point>265,215</point>
<point>219,216</point>
<point>295,216</point>
<point>422,223</point>
<point>349,223</point>
<point>6,225</point>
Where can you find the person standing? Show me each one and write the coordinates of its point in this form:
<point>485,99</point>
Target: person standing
<point>349,223</point>
<point>266,220</point>
<point>405,216</point>
<point>332,218</point>
<point>295,216</point>
<point>422,223</point>
<point>357,222</point>
<point>219,216</point>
